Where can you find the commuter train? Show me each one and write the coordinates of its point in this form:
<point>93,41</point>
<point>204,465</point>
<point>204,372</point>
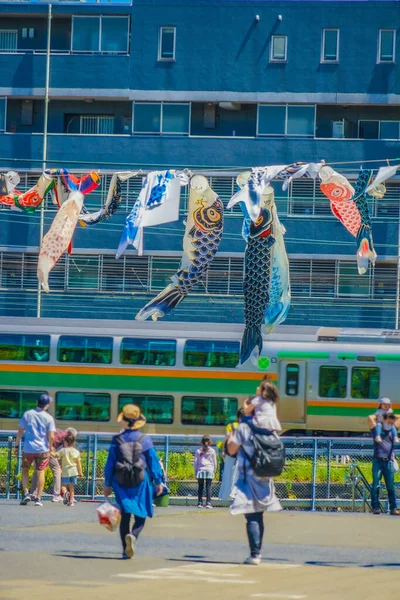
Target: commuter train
<point>186,377</point>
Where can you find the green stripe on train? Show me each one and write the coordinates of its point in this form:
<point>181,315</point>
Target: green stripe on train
<point>299,355</point>
<point>115,382</point>
<point>340,411</point>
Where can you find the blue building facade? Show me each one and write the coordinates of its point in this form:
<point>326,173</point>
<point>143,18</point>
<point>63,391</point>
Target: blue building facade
<point>216,86</point>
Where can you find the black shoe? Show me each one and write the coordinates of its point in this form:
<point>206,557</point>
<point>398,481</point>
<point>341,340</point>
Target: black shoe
<point>376,511</point>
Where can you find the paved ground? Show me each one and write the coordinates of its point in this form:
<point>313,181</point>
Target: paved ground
<point>63,552</point>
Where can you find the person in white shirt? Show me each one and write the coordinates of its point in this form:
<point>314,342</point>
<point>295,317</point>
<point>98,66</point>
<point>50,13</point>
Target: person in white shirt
<point>263,407</point>
<point>37,427</point>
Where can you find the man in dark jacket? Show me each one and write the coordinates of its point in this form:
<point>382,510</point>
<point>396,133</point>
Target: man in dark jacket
<point>382,464</point>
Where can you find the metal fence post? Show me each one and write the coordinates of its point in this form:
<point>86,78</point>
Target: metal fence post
<point>314,473</point>
<point>94,468</point>
<point>19,471</point>
<point>9,459</point>
<point>166,455</point>
<point>328,468</point>
<point>88,445</point>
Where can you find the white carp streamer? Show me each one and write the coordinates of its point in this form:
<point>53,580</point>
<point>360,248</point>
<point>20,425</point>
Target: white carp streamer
<point>57,239</point>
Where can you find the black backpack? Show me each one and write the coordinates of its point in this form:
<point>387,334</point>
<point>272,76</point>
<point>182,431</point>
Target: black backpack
<point>130,467</point>
<point>268,459</point>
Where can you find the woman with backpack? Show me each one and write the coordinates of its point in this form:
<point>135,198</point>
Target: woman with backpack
<point>132,466</point>
<point>254,493</point>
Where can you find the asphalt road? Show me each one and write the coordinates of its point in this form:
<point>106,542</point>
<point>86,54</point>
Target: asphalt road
<point>198,553</point>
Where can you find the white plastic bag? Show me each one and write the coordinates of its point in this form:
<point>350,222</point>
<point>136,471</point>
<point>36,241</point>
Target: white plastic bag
<point>395,467</point>
<point>109,516</point>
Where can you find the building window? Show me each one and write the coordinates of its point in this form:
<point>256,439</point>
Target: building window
<point>389,130</point>
<point>278,51</point>
<point>386,45</point>
<point>100,34</point>
<point>166,43</point>
<point>156,409</point>
<point>289,119</point>
<point>330,45</point>
<point>3,108</point>
<point>164,118</point>
<point>350,282</point>
<point>292,380</point>
<point>368,130</point>
<point>332,382</point>
<point>8,40</point>
<point>96,124</point>
<point>83,406</point>
<point>203,410</point>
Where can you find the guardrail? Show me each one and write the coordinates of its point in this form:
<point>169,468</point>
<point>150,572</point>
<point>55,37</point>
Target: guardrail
<point>331,474</point>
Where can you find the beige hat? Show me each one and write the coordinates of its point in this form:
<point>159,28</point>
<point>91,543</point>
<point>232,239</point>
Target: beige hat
<point>132,413</point>
<point>385,401</point>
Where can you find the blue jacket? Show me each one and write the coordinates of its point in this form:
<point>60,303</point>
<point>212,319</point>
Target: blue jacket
<point>138,500</point>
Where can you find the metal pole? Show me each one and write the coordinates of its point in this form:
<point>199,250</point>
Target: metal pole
<point>9,461</point>
<point>94,469</point>
<point>45,127</point>
<point>166,455</point>
<point>314,474</point>
<point>19,461</point>
<point>328,470</point>
<point>89,437</point>
<point>398,276</point>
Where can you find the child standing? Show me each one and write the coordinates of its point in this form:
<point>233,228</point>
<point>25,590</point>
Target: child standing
<point>263,407</point>
<point>71,467</point>
<point>384,411</point>
<point>205,466</point>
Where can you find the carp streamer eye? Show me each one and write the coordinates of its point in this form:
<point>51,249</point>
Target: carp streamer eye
<point>213,215</point>
<point>259,221</point>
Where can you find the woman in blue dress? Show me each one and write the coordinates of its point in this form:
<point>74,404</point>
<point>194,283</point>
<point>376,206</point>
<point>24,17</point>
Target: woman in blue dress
<point>136,501</point>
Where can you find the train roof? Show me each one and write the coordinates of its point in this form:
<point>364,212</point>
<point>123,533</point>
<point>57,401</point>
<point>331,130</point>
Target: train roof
<point>187,329</point>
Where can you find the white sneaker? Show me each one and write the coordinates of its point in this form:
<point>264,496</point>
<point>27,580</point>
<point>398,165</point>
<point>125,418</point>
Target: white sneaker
<point>56,498</point>
<point>38,502</point>
<point>130,542</point>
<point>378,438</point>
<point>252,560</point>
<point>396,440</point>
<point>208,505</point>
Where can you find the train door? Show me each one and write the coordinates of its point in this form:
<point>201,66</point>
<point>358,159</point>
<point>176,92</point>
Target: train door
<point>292,391</point>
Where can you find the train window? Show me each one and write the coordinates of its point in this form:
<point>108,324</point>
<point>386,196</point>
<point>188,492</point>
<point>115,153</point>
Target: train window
<point>332,382</point>
<point>292,380</point>
<point>210,353</point>
<point>14,403</point>
<point>141,351</point>
<point>24,347</point>
<point>156,409</point>
<point>200,410</point>
<point>83,349</point>
<point>82,406</point>
<point>365,382</point>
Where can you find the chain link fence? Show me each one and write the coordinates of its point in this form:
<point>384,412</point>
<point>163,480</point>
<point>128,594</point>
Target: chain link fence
<point>320,473</point>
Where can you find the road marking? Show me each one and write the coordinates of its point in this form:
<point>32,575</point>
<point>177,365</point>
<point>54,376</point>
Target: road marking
<point>182,577</point>
<point>283,596</point>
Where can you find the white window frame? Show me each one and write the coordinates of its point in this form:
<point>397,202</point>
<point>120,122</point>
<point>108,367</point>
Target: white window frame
<point>281,135</point>
<point>161,58</point>
<point>271,49</point>
<point>99,50</point>
<point>330,60</point>
<point>5,114</point>
<point>378,59</point>
<point>161,132</point>
<point>10,50</point>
